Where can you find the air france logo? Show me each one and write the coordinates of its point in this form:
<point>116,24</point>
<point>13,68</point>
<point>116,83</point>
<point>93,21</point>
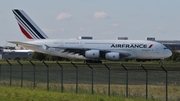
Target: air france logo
<point>150,45</point>
<point>130,46</point>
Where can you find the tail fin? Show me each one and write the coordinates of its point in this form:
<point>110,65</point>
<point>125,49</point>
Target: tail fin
<point>27,26</point>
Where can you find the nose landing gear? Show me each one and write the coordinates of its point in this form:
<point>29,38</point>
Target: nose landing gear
<point>161,62</point>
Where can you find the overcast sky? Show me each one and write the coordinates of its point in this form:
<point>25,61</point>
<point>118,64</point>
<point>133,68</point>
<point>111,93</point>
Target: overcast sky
<point>101,19</point>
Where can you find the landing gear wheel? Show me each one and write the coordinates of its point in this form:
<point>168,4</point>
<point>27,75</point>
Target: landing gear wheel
<point>160,62</point>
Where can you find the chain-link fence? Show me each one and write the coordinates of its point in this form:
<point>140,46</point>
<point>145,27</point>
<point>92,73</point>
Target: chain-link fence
<point>145,81</point>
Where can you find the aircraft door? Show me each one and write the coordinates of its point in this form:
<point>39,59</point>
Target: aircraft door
<point>81,44</point>
<point>134,52</point>
<point>61,44</point>
<point>157,50</point>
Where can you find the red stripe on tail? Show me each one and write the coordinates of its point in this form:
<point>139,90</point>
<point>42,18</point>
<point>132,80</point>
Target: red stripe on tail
<point>25,32</point>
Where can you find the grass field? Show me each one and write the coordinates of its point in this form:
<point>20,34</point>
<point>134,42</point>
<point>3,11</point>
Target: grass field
<point>18,94</point>
<point>136,78</point>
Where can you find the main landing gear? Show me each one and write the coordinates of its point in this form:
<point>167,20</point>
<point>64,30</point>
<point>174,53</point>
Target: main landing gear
<point>160,62</point>
<point>92,61</point>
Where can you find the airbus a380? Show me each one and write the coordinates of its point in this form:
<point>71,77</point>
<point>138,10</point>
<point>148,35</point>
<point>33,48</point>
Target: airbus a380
<point>115,50</point>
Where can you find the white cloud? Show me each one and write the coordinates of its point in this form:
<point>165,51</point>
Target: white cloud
<point>158,29</point>
<point>161,30</point>
<point>50,31</point>
<point>115,24</point>
<point>100,15</point>
<point>81,29</point>
<point>62,29</point>
<point>63,16</point>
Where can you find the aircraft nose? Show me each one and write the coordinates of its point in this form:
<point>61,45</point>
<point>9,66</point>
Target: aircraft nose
<point>168,53</point>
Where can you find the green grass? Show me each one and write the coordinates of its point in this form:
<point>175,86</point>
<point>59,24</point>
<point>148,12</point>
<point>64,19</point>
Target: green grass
<point>18,94</point>
<point>135,91</point>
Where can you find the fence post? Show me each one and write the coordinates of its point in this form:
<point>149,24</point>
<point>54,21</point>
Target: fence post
<point>92,74</point>
<point>108,79</point>
<point>47,75</point>
<point>0,72</point>
<point>34,73</point>
<point>166,81</point>
<point>76,76</point>
<point>146,80</point>
<point>126,79</point>
<point>21,73</point>
<point>61,76</point>
<point>10,77</point>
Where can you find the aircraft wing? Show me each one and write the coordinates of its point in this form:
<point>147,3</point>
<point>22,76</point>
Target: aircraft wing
<point>83,50</point>
<point>75,51</point>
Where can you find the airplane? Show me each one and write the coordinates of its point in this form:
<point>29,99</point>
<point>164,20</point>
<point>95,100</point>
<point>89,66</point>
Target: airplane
<point>88,50</point>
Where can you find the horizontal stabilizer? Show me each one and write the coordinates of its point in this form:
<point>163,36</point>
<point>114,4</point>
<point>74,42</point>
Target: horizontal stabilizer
<point>24,44</point>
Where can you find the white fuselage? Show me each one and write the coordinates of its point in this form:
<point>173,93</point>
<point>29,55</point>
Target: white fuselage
<point>87,49</point>
<point>137,49</point>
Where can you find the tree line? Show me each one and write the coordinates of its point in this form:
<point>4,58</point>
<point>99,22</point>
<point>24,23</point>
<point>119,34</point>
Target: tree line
<point>174,57</point>
<point>40,56</point>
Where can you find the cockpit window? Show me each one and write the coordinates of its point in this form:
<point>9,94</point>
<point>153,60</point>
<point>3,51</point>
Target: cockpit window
<point>165,48</point>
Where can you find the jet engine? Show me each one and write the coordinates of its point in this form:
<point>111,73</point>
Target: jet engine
<point>112,56</point>
<point>92,54</point>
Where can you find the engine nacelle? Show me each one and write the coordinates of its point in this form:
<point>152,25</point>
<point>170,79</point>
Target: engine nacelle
<point>92,54</point>
<point>112,56</point>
